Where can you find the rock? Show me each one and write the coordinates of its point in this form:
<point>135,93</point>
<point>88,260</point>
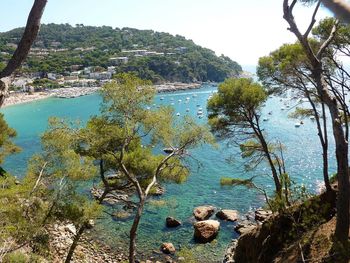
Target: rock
<point>230,252</point>
<point>181,259</point>
<point>206,231</point>
<point>168,248</point>
<point>172,222</point>
<point>261,214</point>
<point>159,190</point>
<point>203,212</point>
<point>244,227</point>
<point>229,215</point>
<point>71,228</point>
<point>90,224</point>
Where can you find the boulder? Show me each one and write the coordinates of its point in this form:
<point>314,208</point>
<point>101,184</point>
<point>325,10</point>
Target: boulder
<point>203,212</point>
<point>244,227</point>
<point>205,231</point>
<point>229,215</point>
<point>261,214</point>
<point>172,222</point>
<point>168,248</point>
<point>71,228</point>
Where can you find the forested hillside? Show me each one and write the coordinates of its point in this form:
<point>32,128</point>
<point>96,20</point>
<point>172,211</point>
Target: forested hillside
<point>152,55</point>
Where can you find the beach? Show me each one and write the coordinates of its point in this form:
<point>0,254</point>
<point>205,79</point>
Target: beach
<point>15,98</point>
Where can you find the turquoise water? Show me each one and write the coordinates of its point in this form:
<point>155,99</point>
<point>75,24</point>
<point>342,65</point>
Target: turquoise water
<point>303,161</point>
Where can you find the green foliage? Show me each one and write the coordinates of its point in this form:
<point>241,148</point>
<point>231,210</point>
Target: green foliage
<point>188,254</point>
<point>183,60</point>
<point>7,146</point>
<point>237,181</point>
<point>301,113</point>
<point>16,257</point>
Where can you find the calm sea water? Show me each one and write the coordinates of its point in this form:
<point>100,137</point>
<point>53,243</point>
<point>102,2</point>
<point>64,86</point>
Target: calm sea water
<point>303,161</point>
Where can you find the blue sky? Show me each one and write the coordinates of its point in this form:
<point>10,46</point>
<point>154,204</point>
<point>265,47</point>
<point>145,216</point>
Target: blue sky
<point>242,29</point>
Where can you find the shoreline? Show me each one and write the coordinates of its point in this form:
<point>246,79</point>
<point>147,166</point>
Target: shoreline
<point>74,92</point>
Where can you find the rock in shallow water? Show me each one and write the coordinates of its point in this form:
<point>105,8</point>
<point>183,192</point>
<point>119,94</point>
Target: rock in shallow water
<point>203,212</point>
<point>168,248</point>
<point>205,231</point>
<point>172,222</point>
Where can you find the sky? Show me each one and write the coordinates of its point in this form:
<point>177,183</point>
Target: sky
<point>244,30</point>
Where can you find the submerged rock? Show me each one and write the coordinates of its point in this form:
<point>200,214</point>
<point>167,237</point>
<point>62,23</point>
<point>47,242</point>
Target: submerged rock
<point>229,215</point>
<point>203,212</point>
<point>172,222</point>
<point>168,248</point>
<point>206,231</point>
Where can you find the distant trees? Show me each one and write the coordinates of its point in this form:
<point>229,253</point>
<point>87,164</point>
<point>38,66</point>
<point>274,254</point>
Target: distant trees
<point>235,112</point>
<point>183,60</point>
<point>316,57</point>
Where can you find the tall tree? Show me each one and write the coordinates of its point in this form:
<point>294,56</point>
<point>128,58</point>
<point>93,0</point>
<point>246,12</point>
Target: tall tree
<point>20,54</point>
<point>121,141</point>
<point>235,112</point>
<point>286,69</point>
<point>317,67</point>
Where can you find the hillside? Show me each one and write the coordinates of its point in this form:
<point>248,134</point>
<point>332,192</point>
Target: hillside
<point>153,55</point>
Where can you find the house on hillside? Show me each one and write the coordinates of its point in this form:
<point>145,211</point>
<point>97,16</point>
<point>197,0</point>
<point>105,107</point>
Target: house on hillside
<point>118,60</point>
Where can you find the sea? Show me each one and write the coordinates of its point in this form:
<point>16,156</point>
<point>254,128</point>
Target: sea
<point>302,152</point>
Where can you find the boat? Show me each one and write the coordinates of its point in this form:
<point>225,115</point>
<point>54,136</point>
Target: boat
<point>172,103</point>
<point>148,108</point>
<point>312,118</point>
<point>188,98</point>
<point>161,98</point>
<point>179,101</point>
<point>265,119</point>
<point>297,124</point>
<point>178,114</point>
<point>187,110</point>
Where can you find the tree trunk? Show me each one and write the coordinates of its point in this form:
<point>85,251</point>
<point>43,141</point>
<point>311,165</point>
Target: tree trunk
<point>341,150</point>
<point>75,243</point>
<point>133,230</point>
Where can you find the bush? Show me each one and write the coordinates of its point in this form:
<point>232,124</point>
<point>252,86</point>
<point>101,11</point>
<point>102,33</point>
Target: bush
<point>15,257</point>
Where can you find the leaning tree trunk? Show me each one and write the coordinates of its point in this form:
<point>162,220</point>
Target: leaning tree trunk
<point>75,243</point>
<point>20,54</point>
<point>133,230</point>
<point>341,150</point>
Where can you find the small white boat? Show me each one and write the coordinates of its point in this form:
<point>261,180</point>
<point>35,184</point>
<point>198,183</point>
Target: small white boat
<point>179,101</point>
<point>187,110</point>
<point>188,98</point>
<point>172,103</point>
<point>312,118</point>
<point>161,98</point>
<point>200,109</point>
<point>148,108</point>
<point>297,124</point>
<point>265,119</point>
<point>178,114</point>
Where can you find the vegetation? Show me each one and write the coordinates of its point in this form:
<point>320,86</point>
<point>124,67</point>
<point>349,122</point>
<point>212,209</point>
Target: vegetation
<point>235,114</point>
<point>174,58</point>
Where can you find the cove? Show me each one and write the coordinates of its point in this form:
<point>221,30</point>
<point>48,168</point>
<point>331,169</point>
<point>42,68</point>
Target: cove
<point>302,154</point>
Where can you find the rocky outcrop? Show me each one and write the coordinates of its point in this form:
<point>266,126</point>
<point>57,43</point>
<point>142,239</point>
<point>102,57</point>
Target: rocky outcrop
<point>205,231</point>
<point>266,241</point>
<point>230,252</point>
<point>111,198</point>
<point>261,214</point>
<point>168,248</point>
<point>245,226</point>
<point>172,222</point>
<point>203,212</point>
<point>229,215</point>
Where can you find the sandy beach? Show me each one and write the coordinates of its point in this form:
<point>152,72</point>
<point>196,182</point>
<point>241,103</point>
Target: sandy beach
<point>24,97</point>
